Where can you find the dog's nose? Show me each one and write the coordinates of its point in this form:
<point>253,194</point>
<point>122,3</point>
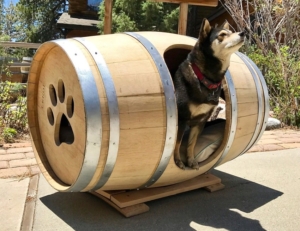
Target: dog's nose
<point>242,34</point>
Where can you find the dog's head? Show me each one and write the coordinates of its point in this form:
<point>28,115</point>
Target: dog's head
<point>219,41</point>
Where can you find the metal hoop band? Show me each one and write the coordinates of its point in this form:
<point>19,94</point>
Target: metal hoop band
<point>113,108</point>
<point>234,117</point>
<point>171,107</point>
<point>92,112</point>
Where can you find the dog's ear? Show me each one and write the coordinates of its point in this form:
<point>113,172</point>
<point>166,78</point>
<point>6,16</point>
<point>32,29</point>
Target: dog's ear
<point>225,25</point>
<point>205,29</point>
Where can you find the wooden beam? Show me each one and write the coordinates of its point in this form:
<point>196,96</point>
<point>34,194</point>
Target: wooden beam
<point>131,203</point>
<point>212,3</point>
<point>20,44</point>
<point>108,16</point>
<point>141,196</point>
<point>19,64</point>
<point>183,15</point>
<point>128,211</point>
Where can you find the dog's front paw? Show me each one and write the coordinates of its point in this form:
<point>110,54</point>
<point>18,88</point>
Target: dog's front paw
<point>193,163</point>
<point>180,164</point>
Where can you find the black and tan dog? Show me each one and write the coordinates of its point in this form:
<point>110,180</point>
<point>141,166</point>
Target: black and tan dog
<point>198,82</point>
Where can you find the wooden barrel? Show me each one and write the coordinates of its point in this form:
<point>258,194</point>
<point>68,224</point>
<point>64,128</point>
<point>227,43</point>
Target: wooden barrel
<point>102,111</point>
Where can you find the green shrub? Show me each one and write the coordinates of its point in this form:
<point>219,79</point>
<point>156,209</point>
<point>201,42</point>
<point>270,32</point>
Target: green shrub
<point>273,44</point>
<point>13,110</point>
<point>282,74</point>
<point>9,135</point>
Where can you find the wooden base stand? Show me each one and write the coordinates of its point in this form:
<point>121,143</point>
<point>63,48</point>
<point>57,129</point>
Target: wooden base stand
<point>131,203</point>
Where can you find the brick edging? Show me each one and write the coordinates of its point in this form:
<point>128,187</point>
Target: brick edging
<point>17,160</point>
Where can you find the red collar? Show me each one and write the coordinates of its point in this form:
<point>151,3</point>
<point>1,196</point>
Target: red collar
<point>206,82</point>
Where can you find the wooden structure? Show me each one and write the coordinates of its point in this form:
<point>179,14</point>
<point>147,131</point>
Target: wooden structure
<point>77,26</point>
<point>20,44</point>
<point>107,120</point>
<point>18,70</point>
<point>183,15</point>
<point>79,21</point>
<point>81,9</point>
<point>131,203</point>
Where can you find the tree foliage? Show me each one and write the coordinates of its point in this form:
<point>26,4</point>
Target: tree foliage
<point>274,44</point>
<point>38,18</point>
<point>10,21</point>
<point>139,15</point>
<point>30,21</point>
<point>10,31</point>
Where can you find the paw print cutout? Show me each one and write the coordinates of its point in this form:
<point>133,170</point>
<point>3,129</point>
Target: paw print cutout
<point>63,132</point>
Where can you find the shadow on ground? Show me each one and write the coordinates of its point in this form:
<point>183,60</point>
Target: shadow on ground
<point>83,211</point>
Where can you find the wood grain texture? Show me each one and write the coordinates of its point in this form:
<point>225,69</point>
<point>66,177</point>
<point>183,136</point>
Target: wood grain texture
<point>108,16</point>
<point>214,187</point>
<point>183,15</point>
<point>126,211</point>
<point>140,196</point>
<point>66,166</point>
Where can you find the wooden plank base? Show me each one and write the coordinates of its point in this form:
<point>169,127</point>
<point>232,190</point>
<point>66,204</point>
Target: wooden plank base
<point>131,203</point>
<point>127,211</point>
<point>214,187</point>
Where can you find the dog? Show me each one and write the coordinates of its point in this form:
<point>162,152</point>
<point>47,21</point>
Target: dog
<point>197,83</point>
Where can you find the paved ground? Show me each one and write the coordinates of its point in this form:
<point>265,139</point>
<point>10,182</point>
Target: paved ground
<point>277,140</point>
<point>262,191</point>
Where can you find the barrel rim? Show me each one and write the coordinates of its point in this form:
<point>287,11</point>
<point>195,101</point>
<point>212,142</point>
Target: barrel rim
<point>264,94</point>
<point>33,79</point>
<point>92,112</point>
<point>260,103</point>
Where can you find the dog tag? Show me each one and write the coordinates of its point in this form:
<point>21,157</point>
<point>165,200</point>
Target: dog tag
<point>213,97</point>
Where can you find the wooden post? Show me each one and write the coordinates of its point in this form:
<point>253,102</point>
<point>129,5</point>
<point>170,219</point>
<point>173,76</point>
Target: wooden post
<point>108,16</point>
<point>183,14</point>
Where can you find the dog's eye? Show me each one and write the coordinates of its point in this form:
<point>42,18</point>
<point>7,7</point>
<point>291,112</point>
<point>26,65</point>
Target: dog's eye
<point>222,34</point>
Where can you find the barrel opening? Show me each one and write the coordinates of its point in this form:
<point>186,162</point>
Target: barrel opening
<point>64,132</point>
<point>174,57</point>
<point>212,136</point>
<point>50,116</point>
<point>52,93</point>
<point>70,106</point>
<point>61,91</point>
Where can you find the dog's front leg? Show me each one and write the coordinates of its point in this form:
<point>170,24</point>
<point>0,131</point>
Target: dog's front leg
<point>181,129</point>
<point>194,133</point>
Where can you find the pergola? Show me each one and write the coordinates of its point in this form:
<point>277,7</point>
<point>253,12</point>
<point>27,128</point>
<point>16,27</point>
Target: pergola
<point>182,23</point>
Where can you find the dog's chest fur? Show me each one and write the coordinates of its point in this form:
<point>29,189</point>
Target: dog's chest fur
<point>200,109</point>
<point>194,104</point>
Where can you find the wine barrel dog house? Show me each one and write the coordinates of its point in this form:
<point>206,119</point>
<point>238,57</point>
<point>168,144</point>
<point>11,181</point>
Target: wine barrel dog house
<point>102,111</point>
